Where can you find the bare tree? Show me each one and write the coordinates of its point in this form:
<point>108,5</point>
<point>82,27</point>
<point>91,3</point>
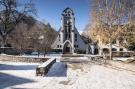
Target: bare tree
<point>19,39</point>
<point>110,14</point>
<point>12,12</point>
<point>34,35</point>
<point>41,37</point>
<point>49,36</point>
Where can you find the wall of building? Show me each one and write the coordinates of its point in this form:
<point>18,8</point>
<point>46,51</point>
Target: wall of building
<point>80,42</point>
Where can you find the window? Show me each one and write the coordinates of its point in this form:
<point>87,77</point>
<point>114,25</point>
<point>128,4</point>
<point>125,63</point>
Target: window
<point>69,23</point>
<point>69,36</point>
<point>114,49</point>
<point>65,28</point>
<point>57,46</point>
<point>69,13</point>
<point>65,36</point>
<point>75,35</point>
<point>66,14</point>
<point>60,46</point>
<point>76,46</point>
<point>69,30</point>
<point>121,49</point>
<point>59,35</point>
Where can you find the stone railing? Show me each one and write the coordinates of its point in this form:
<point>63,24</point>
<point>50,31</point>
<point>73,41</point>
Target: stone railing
<point>45,67</point>
<point>124,54</point>
<point>21,59</point>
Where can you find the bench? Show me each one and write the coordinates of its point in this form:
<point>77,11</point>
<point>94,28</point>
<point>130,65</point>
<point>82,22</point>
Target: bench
<point>43,69</point>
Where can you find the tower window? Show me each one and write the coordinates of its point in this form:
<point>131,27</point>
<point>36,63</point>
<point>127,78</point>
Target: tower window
<point>59,37</point>
<point>69,29</point>
<point>75,35</point>
<point>76,46</point>
<point>57,46</point>
<point>69,36</point>
<point>65,36</point>
<point>68,14</point>
<point>65,27</point>
<point>60,46</point>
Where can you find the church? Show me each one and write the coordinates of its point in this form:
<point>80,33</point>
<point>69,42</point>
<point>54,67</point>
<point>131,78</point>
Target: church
<point>69,41</point>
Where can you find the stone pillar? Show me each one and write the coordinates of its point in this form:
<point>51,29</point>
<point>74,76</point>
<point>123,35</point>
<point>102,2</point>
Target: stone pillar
<point>92,49</point>
<point>87,49</point>
<point>62,29</point>
<point>100,51</point>
<point>62,22</point>
<point>72,41</point>
<point>73,27</point>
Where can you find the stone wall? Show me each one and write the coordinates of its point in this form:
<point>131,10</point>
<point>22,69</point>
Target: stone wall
<point>21,59</point>
<point>123,54</point>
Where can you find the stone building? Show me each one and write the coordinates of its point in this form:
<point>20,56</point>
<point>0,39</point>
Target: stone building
<point>68,39</point>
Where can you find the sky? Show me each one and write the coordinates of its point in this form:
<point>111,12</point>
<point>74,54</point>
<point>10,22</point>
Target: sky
<point>50,11</point>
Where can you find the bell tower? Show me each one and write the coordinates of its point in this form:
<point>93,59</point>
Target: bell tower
<point>68,39</point>
<point>67,24</point>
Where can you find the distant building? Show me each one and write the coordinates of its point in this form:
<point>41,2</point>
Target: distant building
<point>116,47</point>
<point>68,39</point>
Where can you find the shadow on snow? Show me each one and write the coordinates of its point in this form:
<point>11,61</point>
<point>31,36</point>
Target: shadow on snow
<point>59,69</point>
<point>17,67</point>
<point>7,80</point>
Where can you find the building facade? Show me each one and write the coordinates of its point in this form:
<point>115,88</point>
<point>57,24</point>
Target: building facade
<point>68,39</point>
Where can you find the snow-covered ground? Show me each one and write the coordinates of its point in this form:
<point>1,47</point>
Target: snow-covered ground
<point>64,76</point>
<point>123,58</point>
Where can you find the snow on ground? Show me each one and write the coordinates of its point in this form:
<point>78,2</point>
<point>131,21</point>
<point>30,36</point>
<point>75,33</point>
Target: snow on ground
<point>123,58</point>
<point>64,76</point>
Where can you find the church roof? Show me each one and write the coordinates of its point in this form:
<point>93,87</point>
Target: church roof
<point>68,9</point>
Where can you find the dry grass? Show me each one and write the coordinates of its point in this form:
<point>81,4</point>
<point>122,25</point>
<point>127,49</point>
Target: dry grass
<point>65,82</point>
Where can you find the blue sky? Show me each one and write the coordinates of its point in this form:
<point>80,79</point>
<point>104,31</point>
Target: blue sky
<point>50,11</point>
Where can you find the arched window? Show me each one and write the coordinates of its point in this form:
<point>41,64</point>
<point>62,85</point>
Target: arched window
<point>114,49</point>
<point>121,49</point>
